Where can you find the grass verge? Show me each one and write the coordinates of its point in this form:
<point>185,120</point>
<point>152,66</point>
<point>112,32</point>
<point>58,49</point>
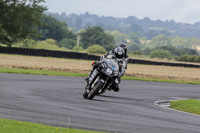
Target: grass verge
<point>13,126</point>
<point>160,80</point>
<point>60,73</point>
<point>40,72</point>
<point>189,105</point>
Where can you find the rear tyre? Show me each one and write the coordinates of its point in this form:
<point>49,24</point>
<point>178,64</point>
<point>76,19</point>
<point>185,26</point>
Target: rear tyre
<point>94,91</point>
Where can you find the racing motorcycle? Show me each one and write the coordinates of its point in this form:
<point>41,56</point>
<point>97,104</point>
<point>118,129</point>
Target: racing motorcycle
<point>101,79</point>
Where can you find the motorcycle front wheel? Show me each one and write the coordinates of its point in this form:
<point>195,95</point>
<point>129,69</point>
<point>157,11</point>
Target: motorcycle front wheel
<point>94,91</point>
<point>85,94</point>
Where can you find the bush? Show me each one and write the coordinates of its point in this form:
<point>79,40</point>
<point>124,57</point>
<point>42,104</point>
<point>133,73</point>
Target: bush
<point>159,53</point>
<point>27,43</point>
<point>96,49</point>
<point>137,52</point>
<point>48,44</point>
<point>191,58</point>
<point>197,59</point>
<point>77,49</point>
<point>173,51</point>
<point>182,58</point>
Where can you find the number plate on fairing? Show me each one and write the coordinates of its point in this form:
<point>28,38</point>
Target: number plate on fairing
<point>109,71</point>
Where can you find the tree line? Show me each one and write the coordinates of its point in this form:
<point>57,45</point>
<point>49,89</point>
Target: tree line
<point>23,23</point>
<point>25,19</point>
<point>142,27</point>
<point>19,19</point>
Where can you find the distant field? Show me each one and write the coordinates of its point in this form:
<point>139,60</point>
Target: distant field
<point>83,66</point>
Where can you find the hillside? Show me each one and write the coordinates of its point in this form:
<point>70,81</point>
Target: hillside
<point>142,27</point>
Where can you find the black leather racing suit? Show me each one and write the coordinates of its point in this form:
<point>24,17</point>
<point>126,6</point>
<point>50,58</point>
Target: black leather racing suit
<point>112,52</point>
<point>122,68</point>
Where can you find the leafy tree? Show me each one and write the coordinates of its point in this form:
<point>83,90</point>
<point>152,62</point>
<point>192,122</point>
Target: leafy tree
<point>96,35</point>
<point>19,19</point>
<point>151,33</point>
<point>143,40</point>
<point>134,43</point>
<point>132,46</point>
<point>147,51</point>
<point>137,29</point>
<point>193,43</point>
<point>179,42</point>
<point>27,43</point>
<point>119,37</point>
<point>166,32</point>
<point>133,37</point>
<point>55,29</point>
<point>96,49</point>
<point>2,34</point>
<point>159,40</point>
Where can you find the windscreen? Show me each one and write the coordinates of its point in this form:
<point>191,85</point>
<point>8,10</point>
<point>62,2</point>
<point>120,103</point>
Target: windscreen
<point>112,64</point>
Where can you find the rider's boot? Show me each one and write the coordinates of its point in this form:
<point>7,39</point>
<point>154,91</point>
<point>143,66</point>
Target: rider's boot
<point>115,86</point>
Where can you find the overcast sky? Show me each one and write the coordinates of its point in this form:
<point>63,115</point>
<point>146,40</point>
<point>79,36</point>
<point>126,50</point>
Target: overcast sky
<point>187,11</point>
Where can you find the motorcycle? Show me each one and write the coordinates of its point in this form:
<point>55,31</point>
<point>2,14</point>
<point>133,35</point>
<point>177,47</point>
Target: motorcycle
<point>101,79</point>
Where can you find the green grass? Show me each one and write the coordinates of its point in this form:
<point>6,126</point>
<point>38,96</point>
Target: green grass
<point>13,126</point>
<point>160,80</point>
<point>190,106</point>
<point>40,72</point>
<point>59,73</point>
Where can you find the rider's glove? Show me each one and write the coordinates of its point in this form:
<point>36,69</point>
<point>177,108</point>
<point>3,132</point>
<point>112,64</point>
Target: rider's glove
<point>102,57</point>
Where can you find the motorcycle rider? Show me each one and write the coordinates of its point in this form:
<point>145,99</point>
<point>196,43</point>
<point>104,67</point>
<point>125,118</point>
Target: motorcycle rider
<point>118,53</point>
<point>112,52</point>
<point>122,45</point>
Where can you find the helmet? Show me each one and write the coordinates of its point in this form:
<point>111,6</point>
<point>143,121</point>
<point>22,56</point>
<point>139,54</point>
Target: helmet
<point>119,52</point>
<point>122,45</point>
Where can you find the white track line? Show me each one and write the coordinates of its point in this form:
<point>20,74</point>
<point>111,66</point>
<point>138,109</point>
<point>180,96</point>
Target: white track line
<point>163,101</point>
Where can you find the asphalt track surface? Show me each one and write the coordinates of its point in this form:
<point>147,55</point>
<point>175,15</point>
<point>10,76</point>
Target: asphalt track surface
<point>58,101</point>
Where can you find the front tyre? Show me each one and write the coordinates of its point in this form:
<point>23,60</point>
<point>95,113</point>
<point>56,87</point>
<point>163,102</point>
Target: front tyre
<point>86,91</point>
<point>94,91</point>
<point>85,94</point>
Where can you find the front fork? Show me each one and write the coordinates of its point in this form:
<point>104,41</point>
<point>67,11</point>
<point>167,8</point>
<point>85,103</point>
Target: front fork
<point>89,80</point>
<point>93,76</point>
<point>106,86</point>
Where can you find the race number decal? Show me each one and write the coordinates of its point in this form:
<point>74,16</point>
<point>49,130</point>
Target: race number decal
<point>109,71</point>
